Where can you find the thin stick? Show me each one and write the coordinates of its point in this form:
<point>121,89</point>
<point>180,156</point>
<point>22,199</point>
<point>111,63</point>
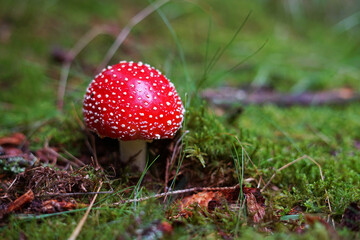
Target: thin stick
<point>127,29</point>
<point>78,228</point>
<point>74,194</point>
<point>194,189</point>
<point>295,161</point>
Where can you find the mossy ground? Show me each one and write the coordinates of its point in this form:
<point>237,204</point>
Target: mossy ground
<point>306,49</point>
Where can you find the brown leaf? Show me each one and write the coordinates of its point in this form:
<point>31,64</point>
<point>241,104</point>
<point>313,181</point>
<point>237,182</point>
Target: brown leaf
<point>255,209</point>
<point>311,220</point>
<point>53,205</point>
<point>16,139</point>
<point>21,201</point>
<point>204,200</point>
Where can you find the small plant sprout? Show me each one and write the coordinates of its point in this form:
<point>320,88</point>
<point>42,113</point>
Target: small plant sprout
<point>135,103</point>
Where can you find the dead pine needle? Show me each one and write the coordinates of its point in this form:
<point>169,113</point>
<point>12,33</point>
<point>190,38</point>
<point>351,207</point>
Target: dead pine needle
<point>78,228</point>
<point>295,161</point>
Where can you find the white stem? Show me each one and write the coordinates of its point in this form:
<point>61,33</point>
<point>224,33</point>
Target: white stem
<point>133,152</point>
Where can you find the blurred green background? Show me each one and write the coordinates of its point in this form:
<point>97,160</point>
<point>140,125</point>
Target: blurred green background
<point>309,45</point>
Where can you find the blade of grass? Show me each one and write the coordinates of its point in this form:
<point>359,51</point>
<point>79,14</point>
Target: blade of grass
<point>211,65</point>
<point>240,175</point>
<point>218,54</point>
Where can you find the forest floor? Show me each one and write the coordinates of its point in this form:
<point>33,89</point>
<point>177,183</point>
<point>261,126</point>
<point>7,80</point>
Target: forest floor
<point>269,147</point>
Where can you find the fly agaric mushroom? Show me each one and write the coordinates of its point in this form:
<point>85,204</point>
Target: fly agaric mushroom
<point>134,103</point>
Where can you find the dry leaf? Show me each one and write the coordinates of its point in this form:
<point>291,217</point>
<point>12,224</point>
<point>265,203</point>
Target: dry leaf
<point>53,205</point>
<point>21,201</point>
<point>204,200</point>
<point>16,139</point>
<point>255,210</point>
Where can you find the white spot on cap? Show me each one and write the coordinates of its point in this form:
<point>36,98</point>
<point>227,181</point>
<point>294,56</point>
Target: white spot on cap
<point>169,122</point>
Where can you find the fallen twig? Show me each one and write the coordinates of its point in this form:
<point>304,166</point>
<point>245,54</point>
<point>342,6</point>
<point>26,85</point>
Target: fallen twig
<point>226,97</point>
<point>160,195</point>
<point>20,202</point>
<point>72,194</point>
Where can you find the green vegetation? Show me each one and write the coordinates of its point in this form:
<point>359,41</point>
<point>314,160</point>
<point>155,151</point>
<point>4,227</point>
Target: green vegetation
<point>308,47</point>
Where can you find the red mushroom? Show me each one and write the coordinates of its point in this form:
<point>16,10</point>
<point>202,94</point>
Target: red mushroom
<point>132,102</point>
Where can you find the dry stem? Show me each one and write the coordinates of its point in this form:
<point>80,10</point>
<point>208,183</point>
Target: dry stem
<point>165,194</point>
<point>83,219</point>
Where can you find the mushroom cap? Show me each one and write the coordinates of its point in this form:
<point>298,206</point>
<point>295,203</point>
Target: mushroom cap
<point>132,101</point>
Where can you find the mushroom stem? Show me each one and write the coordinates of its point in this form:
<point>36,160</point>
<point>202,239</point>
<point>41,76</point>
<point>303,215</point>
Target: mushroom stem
<point>133,152</point>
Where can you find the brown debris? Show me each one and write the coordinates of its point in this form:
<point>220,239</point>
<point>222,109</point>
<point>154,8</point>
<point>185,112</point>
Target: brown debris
<point>16,139</point>
<point>311,220</point>
<point>54,205</point>
<point>204,200</point>
<point>210,200</point>
<point>255,210</point>
<point>15,155</point>
<point>255,204</point>
<point>351,217</point>
<point>20,202</point>
<point>47,182</point>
